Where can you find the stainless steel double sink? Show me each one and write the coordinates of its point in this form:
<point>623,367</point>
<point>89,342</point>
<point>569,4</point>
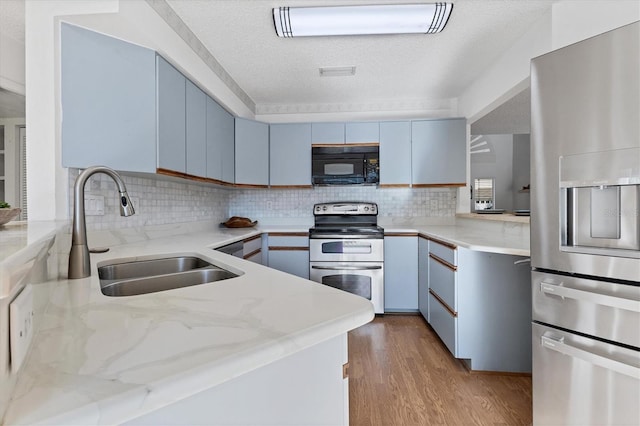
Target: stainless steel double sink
<point>125,277</point>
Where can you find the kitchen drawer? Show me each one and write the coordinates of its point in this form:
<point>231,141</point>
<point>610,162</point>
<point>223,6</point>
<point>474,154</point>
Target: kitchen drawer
<point>446,252</point>
<point>252,244</point>
<point>444,323</point>
<point>282,239</point>
<point>442,281</point>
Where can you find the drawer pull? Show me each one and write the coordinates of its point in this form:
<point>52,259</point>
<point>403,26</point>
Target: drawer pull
<point>588,296</point>
<point>443,262</point>
<point>560,346</point>
<point>443,303</point>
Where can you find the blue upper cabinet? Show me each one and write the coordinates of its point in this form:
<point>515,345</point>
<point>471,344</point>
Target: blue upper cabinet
<point>439,152</point>
<point>362,132</point>
<point>196,119</point>
<point>172,147</point>
<point>108,102</point>
<point>287,142</point>
<point>220,143</point>
<point>395,153</point>
<point>327,133</point>
<point>252,153</point>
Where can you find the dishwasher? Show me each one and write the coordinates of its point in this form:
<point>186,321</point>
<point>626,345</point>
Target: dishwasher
<point>235,249</point>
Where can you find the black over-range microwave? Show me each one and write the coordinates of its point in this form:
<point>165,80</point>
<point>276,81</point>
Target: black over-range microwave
<point>345,165</point>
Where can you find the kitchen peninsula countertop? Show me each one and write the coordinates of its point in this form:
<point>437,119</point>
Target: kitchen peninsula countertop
<point>98,359</point>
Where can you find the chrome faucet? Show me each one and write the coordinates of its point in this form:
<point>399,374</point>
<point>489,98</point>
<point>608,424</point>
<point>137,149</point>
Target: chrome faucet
<point>79,262</point>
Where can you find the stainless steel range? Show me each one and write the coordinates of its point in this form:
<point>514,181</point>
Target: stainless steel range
<point>346,249</point>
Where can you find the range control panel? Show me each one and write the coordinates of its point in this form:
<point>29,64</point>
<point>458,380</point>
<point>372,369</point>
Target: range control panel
<point>348,208</point>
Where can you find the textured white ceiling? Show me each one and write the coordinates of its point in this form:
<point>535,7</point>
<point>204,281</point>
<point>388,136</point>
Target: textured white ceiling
<point>393,72</point>
<point>390,70</point>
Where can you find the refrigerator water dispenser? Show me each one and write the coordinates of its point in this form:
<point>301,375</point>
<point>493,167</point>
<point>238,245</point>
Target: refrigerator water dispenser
<point>600,199</point>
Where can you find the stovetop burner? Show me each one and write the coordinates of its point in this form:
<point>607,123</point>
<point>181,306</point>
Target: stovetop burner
<point>346,220</point>
<point>346,232</point>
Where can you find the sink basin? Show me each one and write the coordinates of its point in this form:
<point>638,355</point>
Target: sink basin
<point>144,268</point>
<point>123,278</point>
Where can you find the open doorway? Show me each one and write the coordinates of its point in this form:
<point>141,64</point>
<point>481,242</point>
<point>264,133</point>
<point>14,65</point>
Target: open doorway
<point>13,146</point>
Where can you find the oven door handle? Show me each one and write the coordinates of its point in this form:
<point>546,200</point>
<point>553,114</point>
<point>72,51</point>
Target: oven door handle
<point>346,268</point>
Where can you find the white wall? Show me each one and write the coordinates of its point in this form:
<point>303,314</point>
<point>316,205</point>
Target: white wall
<point>12,68</point>
<point>521,171</point>
<point>573,20</point>
<point>569,21</point>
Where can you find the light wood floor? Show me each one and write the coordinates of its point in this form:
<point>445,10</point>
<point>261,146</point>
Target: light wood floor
<point>400,373</point>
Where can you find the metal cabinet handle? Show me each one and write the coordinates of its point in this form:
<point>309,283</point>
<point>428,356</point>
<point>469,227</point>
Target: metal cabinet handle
<point>559,346</point>
<point>587,296</point>
<point>520,262</point>
<point>347,268</point>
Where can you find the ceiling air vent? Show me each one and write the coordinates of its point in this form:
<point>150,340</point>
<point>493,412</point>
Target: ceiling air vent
<point>337,71</point>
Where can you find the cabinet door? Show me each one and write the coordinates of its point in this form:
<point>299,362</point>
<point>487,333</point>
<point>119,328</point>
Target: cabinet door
<point>331,133</point>
<point>220,143</point>
<point>395,153</point>
<point>108,91</point>
<point>401,274</point>
<point>439,153</point>
<point>252,152</point>
<point>290,154</point>
<point>171,117</point>
<point>362,132</point>
<point>289,252</point>
<point>423,277</point>
<point>295,262</point>
<point>196,123</point>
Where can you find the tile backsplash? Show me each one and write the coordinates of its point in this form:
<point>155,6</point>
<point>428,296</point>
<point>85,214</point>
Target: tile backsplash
<point>392,202</point>
<point>159,200</point>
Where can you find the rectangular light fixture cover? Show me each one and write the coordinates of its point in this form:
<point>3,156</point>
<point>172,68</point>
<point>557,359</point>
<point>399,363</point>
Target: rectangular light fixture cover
<point>361,20</point>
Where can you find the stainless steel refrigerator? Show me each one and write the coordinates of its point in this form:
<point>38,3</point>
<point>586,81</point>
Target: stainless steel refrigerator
<point>585,231</point>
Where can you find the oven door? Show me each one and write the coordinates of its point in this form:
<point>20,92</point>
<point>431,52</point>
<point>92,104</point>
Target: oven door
<point>365,279</point>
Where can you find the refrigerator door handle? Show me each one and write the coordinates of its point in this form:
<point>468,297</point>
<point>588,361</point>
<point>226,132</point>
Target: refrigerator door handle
<point>558,345</point>
<point>587,296</point>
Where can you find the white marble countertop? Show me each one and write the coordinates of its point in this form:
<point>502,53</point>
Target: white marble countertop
<point>473,239</point>
<point>98,359</point>
<point>16,236</point>
<point>502,237</point>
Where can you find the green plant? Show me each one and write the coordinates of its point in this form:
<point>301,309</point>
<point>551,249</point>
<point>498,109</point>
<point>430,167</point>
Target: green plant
<point>4,205</point>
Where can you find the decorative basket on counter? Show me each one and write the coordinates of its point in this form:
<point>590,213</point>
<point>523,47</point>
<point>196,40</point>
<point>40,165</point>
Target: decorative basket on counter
<point>8,214</point>
<point>239,222</point>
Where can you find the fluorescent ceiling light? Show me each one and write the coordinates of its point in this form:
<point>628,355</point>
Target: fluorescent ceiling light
<point>337,71</point>
<point>358,20</point>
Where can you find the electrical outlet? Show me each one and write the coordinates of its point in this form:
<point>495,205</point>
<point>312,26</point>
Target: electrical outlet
<point>93,205</point>
<point>20,326</point>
